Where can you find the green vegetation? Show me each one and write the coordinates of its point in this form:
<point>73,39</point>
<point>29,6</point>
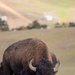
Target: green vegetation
<point>61,41</point>
<point>36,25</point>
<point>70,24</point>
<point>3,25</point>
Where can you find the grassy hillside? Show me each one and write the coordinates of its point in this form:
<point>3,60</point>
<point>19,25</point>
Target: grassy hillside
<point>64,9</point>
<point>60,41</point>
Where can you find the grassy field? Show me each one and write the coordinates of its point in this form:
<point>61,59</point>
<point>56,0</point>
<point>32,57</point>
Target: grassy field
<point>61,41</point>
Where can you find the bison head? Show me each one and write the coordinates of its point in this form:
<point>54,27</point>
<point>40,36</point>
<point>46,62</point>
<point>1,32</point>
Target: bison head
<point>44,67</point>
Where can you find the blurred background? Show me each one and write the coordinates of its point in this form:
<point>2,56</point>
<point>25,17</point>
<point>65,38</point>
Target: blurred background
<point>52,21</point>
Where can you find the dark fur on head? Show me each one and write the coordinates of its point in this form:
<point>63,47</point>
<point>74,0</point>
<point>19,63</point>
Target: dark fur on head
<point>44,67</point>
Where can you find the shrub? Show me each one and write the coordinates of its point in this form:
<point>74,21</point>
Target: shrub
<point>64,25</point>
<point>3,25</point>
<point>44,26</point>
<point>71,24</point>
<point>36,25</point>
<point>58,25</point>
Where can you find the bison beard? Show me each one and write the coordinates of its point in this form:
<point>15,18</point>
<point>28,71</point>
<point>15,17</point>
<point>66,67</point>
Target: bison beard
<point>17,57</point>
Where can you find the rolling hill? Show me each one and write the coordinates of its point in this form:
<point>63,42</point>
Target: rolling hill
<point>63,10</point>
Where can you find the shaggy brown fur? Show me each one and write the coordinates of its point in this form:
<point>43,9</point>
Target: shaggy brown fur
<point>17,56</point>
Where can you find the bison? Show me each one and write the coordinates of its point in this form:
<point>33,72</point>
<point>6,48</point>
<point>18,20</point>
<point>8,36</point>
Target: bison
<point>29,57</point>
<point>54,62</point>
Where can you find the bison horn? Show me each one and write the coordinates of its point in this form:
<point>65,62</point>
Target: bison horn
<point>57,66</point>
<point>31,66</point>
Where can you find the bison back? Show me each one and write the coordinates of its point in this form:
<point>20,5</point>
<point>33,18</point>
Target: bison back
<point>18,55</point>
